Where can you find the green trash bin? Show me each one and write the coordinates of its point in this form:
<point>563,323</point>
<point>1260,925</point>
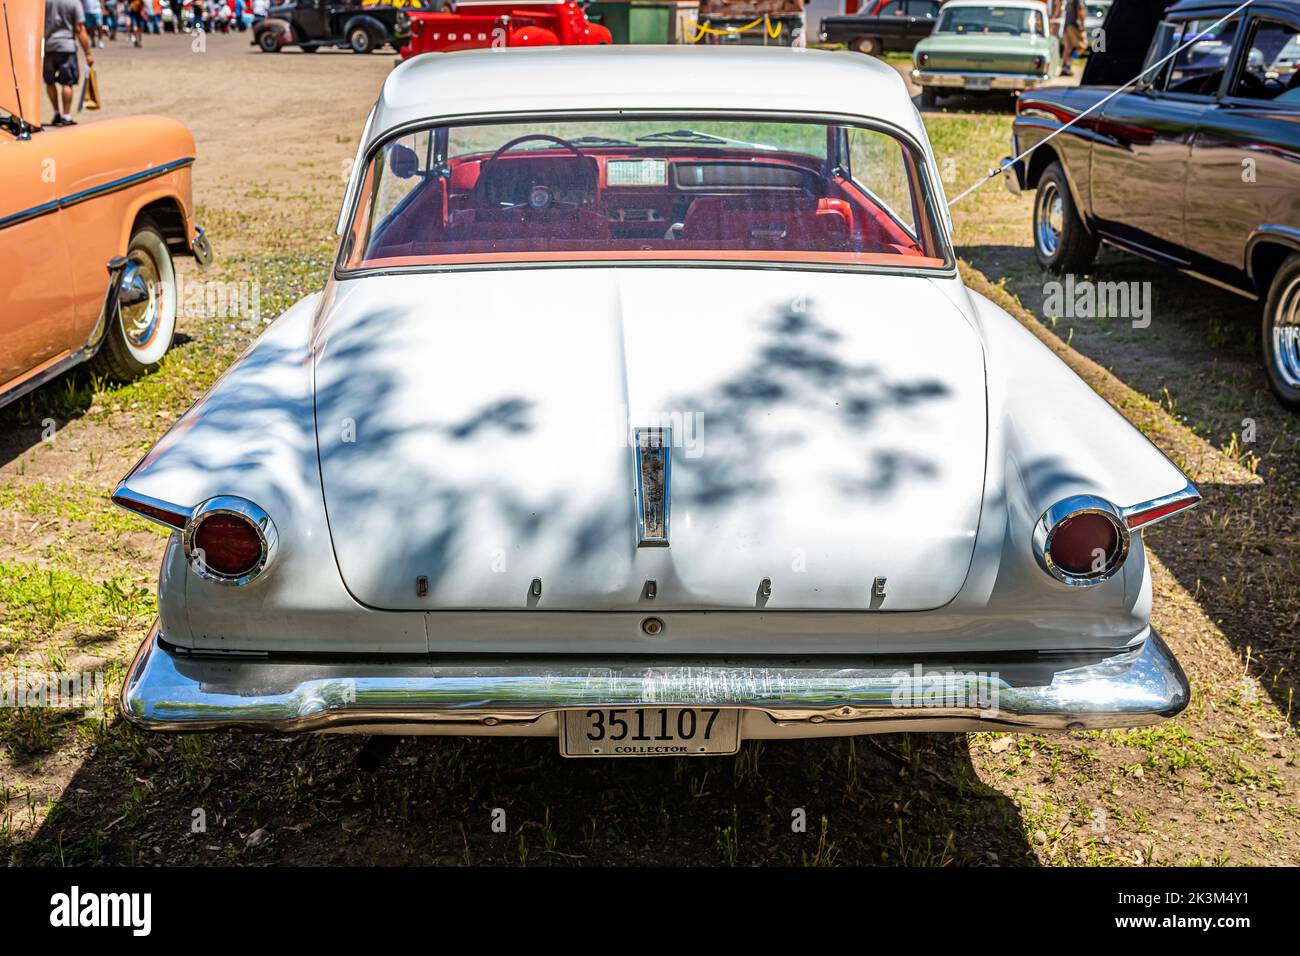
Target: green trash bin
<point>651,22</point>
<point>637,21</point>
<point>613,15</point>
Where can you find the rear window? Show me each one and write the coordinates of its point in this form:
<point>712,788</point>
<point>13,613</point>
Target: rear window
<point>645,189</point>
<point>1007,21</point>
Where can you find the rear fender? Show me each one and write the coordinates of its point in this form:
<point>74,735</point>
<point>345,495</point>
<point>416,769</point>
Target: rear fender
<point>253,435</point>
<point>1050,437</point>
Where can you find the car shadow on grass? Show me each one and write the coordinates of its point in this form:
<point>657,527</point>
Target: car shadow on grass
<point>255,800</point>
<point>1198,357</point>
<point>43,412</point>
<point>991,103</point>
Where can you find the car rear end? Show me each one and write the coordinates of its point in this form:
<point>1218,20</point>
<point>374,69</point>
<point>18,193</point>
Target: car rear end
<point>756,466</point>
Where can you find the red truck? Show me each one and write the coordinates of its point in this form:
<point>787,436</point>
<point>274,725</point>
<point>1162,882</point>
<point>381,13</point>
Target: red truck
<point>475,24</point>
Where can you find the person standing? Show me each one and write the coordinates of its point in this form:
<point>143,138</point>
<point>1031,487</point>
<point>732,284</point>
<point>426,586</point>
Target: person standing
<point>1073,38</point>
<point>65,27</point>
<point>135,12</point>
<point>94,11</point>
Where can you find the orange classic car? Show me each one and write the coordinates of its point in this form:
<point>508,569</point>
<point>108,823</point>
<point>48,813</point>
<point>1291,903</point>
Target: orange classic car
<point>90,217</point>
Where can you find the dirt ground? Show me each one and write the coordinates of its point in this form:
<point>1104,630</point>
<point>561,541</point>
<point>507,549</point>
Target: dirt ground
<point>276,134</point>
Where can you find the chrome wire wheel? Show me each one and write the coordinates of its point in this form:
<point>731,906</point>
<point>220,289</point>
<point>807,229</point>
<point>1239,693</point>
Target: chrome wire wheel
<point>1049,218</point>
<point>1286,335</point>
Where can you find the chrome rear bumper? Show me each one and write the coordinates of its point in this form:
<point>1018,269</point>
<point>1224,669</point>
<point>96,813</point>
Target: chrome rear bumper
<point>979,82</point>
<point>170,690</point>
<point>200,247</point>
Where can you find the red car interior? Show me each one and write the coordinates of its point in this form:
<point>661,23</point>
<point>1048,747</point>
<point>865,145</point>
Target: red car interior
<point>546,200</point>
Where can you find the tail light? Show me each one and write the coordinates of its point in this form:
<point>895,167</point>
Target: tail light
<point>1082,540</point>
<point>1149,512</point>
<point>155,509</point>
<point>229,540</point>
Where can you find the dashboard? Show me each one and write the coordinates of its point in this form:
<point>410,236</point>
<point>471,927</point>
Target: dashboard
<point>639,196</point>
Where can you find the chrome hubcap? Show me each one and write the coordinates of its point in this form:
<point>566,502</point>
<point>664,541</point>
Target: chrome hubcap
<point>1286,335</point>
<point>140,299</point>
<point>1049,219</point>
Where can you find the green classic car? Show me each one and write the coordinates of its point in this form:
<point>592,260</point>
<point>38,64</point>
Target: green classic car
<point>979,47</point>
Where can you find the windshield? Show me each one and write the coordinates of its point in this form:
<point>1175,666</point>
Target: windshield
<point>1011,21</point>
<point>662,189</point>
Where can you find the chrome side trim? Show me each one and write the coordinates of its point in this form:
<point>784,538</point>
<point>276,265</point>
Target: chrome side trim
<point>143,505</point>
<point>1145,252</point>
<point>1226,287</point>
<point>94,192</point>
<point>1147,513</point>
<point>36,381</point>
<point>168,690</point>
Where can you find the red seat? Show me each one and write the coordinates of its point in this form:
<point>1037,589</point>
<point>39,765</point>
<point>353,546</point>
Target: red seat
<point>464,176</point>
<point>760,220</point>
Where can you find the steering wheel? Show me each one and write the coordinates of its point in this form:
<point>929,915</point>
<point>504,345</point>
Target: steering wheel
<point>540,196</point>
<point>1259,87</point>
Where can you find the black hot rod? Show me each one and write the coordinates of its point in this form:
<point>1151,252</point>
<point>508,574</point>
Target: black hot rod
<point>312,24</point>
<point>1197,165</point>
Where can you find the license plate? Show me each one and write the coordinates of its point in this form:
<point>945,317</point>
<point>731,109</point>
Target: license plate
<point>650,732</point>
<point>978,83</point>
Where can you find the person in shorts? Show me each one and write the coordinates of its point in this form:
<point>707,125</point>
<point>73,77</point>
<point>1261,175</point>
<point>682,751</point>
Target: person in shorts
<point>136,14</point>
<point>65,27</point>
<point>94,10</point>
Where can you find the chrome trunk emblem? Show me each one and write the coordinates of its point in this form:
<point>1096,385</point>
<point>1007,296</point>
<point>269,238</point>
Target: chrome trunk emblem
<point>653,472</point>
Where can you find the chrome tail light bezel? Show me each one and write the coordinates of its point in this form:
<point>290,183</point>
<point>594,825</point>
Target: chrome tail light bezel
<point>1052,520</point>
<point>1127,521</point>
<point>250,513</point>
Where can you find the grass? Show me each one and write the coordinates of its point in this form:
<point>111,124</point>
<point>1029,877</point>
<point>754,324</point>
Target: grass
<point>45,598</point>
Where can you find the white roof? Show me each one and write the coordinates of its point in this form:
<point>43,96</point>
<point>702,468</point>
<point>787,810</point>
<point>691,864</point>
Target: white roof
<point>1031,4</point>
<point>477,82</point>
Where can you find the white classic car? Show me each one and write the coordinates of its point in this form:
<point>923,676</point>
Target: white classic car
<point>645,409</point>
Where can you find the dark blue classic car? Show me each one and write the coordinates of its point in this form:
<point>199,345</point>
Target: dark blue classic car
<point>1197,165</point>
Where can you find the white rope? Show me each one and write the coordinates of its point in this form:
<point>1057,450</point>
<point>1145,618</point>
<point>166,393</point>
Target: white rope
<point>1101,102</point>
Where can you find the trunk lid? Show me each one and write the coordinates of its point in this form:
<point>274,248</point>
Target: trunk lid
<point>982,53</point>
<point>828,429</point>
